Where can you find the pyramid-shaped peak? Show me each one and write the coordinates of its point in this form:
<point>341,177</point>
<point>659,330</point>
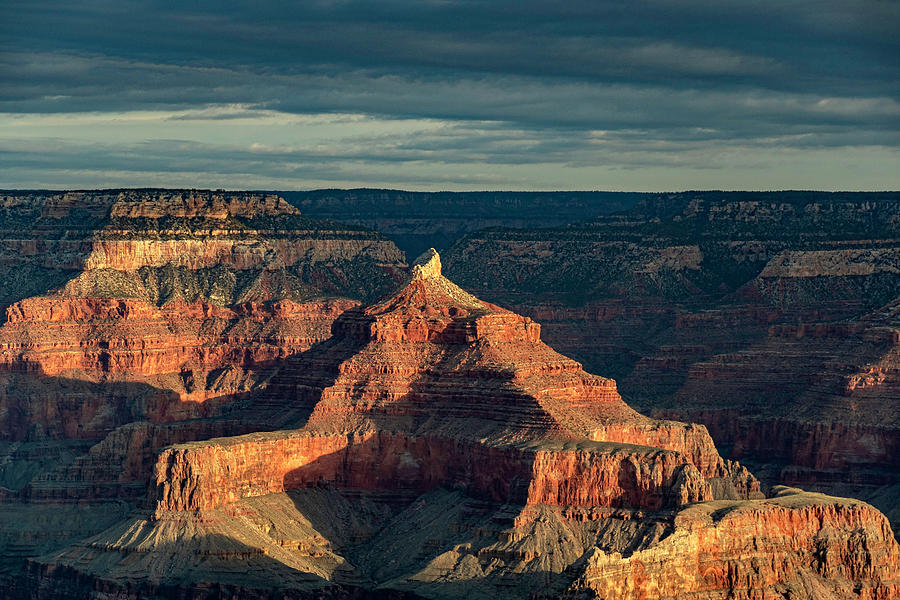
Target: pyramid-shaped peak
<point>427,266</point>
<point>429,307</point>
<point>428,291</point>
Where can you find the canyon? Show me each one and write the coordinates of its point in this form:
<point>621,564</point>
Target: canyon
<point>768,317</point>
<point>416,221</point>
<point>436,448</point>
<point>135,319</point>
<point>219,394</point>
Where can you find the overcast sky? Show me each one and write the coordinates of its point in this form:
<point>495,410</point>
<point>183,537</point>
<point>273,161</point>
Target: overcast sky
<point>451,95</point>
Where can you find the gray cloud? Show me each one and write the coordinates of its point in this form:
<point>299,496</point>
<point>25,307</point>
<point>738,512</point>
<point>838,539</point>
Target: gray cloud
<point>663,83</point>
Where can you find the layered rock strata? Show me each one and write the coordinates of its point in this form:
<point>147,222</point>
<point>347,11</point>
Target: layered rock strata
<point>416,221</point>
<point>135,319</point>
<point>444,451</point>
<point>751,548</point>
<point>194,295</point>
<point>764,316</point>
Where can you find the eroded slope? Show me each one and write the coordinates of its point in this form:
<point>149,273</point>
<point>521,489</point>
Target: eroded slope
<point>443,451</point>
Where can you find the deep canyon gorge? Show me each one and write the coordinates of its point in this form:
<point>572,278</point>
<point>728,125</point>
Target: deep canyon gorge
<point>233,394</point>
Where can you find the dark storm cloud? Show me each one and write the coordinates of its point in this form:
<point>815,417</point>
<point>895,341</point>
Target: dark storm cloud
<point>97,83</point>
<point>540,82</point>
<point>829,48</point>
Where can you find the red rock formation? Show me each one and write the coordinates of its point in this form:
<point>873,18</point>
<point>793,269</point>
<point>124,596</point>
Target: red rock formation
<point>445,449</point>
<point>770,336</point>
<point>205,476</point>
<point>192,295</point>
<point>434,361</point>
<point>188,353</point>
<point>794,545</point>
<point>108,335</point>
<point>136,319</point>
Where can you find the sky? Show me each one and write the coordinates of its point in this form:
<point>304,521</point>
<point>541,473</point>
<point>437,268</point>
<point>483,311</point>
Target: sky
<point>640,95</point>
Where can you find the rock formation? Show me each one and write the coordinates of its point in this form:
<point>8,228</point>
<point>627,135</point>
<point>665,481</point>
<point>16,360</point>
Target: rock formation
<point>195,294</point>
<point>136,319</point>
<point>765,316</point>
<point>435,447</point>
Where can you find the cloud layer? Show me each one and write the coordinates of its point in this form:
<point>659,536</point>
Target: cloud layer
<point>431,94</point>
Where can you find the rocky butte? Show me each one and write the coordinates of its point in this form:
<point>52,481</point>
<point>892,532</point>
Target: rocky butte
<point>193,293</point>
<point>134,319</point>
<point>435,447</point>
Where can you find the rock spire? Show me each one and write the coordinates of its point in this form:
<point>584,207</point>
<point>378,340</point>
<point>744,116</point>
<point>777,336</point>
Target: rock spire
<point>427,266</point>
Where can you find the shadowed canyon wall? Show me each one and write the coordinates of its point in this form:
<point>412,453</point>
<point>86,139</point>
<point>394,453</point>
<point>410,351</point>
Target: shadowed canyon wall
<point>135,319</point>
<point>211,394</point>
<point>769,317</point>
